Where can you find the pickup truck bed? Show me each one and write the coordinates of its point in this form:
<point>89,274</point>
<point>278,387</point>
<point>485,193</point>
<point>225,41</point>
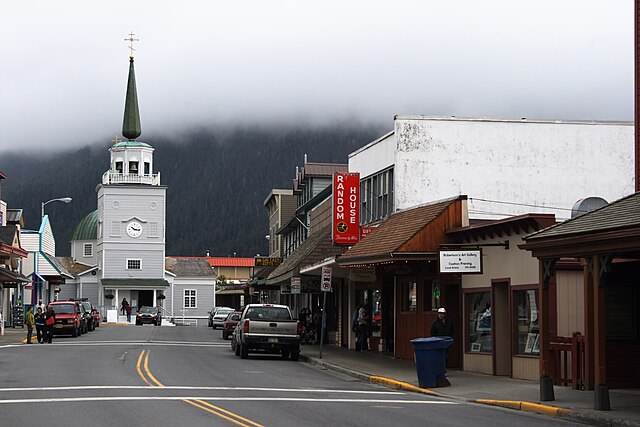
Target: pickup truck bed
<point>267,328</point>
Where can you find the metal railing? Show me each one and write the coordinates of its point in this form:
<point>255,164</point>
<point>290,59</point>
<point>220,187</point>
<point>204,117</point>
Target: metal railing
<point>110,177</point>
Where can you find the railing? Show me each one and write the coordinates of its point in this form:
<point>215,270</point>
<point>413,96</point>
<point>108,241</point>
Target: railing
<point>110,177</point>
<point>567,360</point>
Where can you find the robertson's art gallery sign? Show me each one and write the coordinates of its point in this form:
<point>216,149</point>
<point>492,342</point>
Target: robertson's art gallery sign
<point>346,208</point>
<point>461,262</point>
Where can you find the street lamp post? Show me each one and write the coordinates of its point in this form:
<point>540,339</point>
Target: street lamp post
<point>60,199</point>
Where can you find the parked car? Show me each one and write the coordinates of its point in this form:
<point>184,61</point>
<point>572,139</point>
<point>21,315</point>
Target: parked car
<point>93,320</point>
<point>87,313</point>
<point>68,318</point>
<point>149,315</point>
<point>230,324</point>
<point>221,315</point>
<point>213,312</point>
<point>267,328</point>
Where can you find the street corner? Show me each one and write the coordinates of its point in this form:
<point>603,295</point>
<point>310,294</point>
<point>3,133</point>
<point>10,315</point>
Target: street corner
<point>527,406</point>
<point>399,385</point>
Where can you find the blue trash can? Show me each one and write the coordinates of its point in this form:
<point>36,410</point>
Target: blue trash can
<point>430,357</point>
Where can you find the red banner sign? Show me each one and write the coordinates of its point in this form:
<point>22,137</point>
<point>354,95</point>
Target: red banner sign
<point>346,208</point>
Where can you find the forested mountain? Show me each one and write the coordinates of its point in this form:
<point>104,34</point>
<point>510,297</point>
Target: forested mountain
<point>217,181</point>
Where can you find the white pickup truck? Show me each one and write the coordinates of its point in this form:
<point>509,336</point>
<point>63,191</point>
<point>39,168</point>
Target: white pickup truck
<point>268,328</point>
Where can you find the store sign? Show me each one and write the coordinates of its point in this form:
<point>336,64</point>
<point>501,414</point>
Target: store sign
<point>346,208</point>
<point>362,275</point>
<point>261,261</point>
<point>295,285</point>
<point>325,286</point>
<point>461,262</point>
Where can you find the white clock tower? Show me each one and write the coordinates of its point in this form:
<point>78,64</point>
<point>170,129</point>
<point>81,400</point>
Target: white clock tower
<point>131,217</point>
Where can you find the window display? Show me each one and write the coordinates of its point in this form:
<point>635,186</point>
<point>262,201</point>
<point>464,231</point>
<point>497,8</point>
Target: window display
<point>409,297</point>
<point>526,322</point>
<point>478,322</point>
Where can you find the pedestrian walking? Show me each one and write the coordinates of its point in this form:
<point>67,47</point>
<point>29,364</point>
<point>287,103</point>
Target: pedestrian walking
<point>354,325</point>
<point>49,321</point>
<point>128,310</point>
<point>40,325</point>
<point>30,321</point>
<point>124,306</point>
<point>41,305</point>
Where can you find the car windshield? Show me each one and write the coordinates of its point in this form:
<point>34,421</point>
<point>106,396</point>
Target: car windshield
<point>223,311</point>
<point>63,308</point>
<point>87,306</point>
<point>150,310</point>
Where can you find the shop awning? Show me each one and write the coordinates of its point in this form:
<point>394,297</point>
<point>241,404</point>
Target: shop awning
<point>411,234</point>
<point>315,249</point>
<point>134,283</point>
<point>8,276</point>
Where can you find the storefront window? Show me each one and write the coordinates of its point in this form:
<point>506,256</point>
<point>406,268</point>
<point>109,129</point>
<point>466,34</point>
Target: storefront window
<point>409,301</point>
<point>478,313</point>
<point>431,295</point>
<point>527,329</point>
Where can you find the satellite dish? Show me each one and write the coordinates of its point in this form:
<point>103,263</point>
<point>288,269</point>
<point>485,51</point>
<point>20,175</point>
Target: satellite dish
<point>587,204</point>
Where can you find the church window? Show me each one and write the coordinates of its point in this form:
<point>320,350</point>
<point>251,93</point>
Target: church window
<point>134,264</point>
<point>147,168</point>
<point>87,249</point>
<point>133,168</point>
<point>190,298</point>
<point>119,166</point>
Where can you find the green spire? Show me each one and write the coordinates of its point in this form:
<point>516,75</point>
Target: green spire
<point>131,124</point>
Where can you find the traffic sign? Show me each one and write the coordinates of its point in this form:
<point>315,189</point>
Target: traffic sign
<point>325,285</point>
<point>295,285</point>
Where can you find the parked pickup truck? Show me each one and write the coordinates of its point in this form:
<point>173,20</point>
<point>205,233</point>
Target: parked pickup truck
<point>268,328</point>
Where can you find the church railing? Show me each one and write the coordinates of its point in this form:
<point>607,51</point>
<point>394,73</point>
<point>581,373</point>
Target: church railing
<point>111,177</point>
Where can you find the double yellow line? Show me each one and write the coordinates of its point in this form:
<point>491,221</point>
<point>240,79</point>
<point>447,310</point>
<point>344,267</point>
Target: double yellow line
<point>142,366</point>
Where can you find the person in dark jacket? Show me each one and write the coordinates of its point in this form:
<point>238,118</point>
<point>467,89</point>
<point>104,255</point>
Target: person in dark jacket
<point>48,336</point>
<point>442,327</point>
<point>40,325</point>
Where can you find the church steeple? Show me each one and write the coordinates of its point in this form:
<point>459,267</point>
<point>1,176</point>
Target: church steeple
<point>131,124</point>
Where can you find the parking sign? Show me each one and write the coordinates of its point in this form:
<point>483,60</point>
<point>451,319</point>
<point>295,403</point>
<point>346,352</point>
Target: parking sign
<point>325,286</point>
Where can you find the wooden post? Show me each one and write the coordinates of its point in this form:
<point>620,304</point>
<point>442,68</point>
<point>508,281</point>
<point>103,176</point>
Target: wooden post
<point>588,324</point>
<point>601,391</point>
<point>546,379</point>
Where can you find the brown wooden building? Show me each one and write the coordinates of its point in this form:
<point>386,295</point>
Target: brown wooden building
<point>403,253</point>
<point>607,241</point>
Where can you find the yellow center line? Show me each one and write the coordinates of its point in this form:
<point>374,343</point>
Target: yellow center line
<point>140,370</point>
<point>201,404</point>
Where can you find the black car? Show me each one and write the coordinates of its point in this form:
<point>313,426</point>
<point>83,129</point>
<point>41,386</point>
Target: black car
<point>89,315</point>
<point>149,315</point>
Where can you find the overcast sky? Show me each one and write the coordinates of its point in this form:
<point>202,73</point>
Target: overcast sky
<point>64,63</point>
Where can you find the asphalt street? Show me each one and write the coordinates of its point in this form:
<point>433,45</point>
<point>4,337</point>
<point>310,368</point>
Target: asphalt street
<point>172,376</point>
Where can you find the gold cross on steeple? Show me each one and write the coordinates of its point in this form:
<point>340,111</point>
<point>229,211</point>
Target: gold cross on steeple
<point>115,141</point>
<point>131,40</point>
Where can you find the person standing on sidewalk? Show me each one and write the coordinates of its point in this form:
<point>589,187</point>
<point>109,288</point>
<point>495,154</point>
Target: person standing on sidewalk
<point>40,325</point>
<point>363,327</point>
<point>49,314</point>
<point>442,327</point>
<point>29,320</point>
<point>128,310</point>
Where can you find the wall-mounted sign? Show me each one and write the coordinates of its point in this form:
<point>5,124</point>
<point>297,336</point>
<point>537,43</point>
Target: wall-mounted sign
<point>362,275</point>
<point>461,262</point>
<point>325,285</point>
<point>295,285</point>
<point>346,208</point>
<point>261,261</point>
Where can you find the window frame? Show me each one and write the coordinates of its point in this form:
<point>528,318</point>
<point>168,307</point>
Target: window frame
<point>190,300</point>
<point>130,262</point>
<point>84,250</point>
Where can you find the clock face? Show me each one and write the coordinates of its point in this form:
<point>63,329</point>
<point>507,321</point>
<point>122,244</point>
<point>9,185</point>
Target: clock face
<point>134,229</point>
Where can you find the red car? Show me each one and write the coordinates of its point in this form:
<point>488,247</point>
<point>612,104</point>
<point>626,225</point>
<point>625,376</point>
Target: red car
<point>68,318</point>
<point>230,324</point>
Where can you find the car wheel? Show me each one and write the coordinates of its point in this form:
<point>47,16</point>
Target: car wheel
<point>237,349</point>
<point>244,351</point>
<point>224,335</point>
<point>285,354</point>
<point>74,332</point>
<point>295,355</point>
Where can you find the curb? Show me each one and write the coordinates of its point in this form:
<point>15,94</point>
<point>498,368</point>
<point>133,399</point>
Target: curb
<point>584,417</point>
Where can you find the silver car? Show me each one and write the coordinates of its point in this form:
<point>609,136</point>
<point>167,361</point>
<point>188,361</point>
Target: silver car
<point>220,316</point>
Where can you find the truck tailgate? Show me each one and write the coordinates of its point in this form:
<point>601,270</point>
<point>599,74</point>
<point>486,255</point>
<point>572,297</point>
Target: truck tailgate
<point>275,327</point>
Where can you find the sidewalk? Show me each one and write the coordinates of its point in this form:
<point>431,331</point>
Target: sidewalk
<point>15,336</point>
<point>572,404</point>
